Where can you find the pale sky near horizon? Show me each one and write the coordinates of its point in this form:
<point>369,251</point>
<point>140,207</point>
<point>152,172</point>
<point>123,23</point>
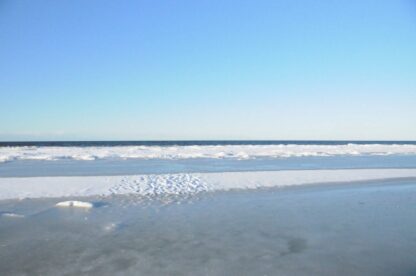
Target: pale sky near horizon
<point>218,69</point>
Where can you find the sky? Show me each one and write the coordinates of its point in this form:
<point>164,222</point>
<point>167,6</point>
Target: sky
<point>217,69</point>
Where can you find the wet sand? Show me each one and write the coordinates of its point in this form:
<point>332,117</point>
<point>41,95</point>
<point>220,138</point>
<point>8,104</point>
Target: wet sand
<point>343,229</point>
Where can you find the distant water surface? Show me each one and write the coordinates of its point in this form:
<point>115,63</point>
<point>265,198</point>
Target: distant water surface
<point>198,143</point>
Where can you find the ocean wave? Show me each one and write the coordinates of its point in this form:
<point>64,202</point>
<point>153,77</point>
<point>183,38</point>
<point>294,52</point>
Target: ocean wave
<point>239,152</point>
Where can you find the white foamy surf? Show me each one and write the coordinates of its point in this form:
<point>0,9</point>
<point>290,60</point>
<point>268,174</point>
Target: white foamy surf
<point>185,152</point>
<point>181,184</point>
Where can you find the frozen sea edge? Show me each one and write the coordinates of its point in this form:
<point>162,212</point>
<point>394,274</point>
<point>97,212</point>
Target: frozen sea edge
<point>183,183</point>
<point>238,152</point>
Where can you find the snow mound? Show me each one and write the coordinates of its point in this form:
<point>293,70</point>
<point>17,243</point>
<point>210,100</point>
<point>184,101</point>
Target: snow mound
<point>75,203</point>
<point>11,215</point>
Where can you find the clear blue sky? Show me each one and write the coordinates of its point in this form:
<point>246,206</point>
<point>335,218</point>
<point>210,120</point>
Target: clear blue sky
<point>77,69</point>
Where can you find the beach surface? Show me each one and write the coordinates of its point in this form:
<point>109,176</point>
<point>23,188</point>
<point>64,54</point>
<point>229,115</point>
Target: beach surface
<point>360,228</point>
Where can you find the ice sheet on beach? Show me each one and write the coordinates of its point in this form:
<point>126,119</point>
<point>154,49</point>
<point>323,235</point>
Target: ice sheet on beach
<point>205,151</point>
<point>182,184</point>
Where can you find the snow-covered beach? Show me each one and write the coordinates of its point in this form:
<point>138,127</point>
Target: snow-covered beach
<point>208,210</point>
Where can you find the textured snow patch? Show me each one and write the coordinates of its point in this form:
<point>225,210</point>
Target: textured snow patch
<point>156,185</point>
